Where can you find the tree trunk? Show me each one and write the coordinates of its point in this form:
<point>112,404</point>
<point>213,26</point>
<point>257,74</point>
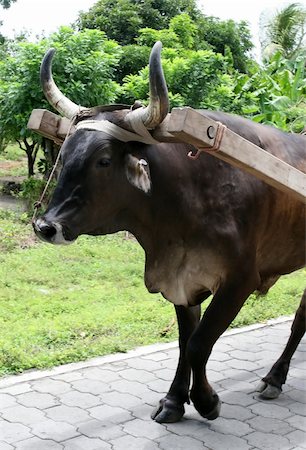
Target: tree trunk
<point>31,151</point>
<point>50,150</point>
<point>30,164</point>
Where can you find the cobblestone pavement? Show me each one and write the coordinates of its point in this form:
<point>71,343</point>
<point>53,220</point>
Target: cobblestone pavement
<point>106,402</point>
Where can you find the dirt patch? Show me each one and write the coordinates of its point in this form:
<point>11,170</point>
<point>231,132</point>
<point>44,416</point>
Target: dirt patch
<point>13,168</point>
<point>8,165</point>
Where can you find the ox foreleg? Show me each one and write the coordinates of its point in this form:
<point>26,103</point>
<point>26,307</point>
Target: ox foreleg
<point>171,408</point>
<point>271,385</point>
<point>223,308</point>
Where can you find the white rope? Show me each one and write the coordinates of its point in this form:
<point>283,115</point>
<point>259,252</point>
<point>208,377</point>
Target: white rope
<point>141,135</point>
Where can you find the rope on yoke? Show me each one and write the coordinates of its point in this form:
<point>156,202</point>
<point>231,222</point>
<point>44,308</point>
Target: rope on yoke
<point>135,121</point>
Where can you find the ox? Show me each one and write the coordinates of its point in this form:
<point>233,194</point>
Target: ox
<point>205,226</point>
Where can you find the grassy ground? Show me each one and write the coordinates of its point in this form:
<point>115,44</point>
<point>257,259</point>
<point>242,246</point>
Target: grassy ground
<point>13,162</point>
<point>63,304</point>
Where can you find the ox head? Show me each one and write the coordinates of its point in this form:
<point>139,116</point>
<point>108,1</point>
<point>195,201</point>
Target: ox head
<point>104,168</point>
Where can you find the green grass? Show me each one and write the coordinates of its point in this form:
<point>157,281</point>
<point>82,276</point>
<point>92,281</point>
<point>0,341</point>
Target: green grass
<point>13,153</point>
<point>64,304</point>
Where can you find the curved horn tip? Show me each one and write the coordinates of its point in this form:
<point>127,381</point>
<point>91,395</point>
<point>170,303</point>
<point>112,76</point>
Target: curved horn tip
<point>158,44</point>
<point>156,49</point>
<point>54,96</point>
<point>45,67</point>
<point>51,50</point>
<point>49,54</point>
<point>158,106</point>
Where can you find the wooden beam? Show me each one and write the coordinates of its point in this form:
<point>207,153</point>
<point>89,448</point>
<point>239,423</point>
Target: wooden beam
<point>192,127</point>
<point>188,125</point>
<point>49,125</point>
<point>63,128</point>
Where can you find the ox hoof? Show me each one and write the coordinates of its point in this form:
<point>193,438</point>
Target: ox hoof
<point>168,411</point>
<point>213,413</point>
<point>268,391</point>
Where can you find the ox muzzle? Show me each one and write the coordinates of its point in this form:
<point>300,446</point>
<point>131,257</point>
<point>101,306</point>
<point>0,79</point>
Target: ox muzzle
<point>51,232</point>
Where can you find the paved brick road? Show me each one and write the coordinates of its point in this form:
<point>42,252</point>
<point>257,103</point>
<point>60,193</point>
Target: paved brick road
<point>106,403</point>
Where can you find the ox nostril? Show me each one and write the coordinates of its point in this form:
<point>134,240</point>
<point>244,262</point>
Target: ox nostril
<point>44,229</point>
<point>48,230</point>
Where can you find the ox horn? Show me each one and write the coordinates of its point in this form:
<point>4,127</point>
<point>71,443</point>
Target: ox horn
<point>158,107</point>
<point>52,93</point>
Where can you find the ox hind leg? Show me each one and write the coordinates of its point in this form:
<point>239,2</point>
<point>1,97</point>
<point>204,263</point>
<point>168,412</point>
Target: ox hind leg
<point>271,385</point>
<point>171,408</point>
<point>223,308</point>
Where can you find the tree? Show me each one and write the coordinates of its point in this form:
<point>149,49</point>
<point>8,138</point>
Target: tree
<point>181,34</point>
<point>133,58</point>
<point>142,20</point>
<point>222,35</point>
<point>6,3</point>
<point>84,66</point>
<point>200,79</point>
<point>286,31</point>
<point>122,19</point>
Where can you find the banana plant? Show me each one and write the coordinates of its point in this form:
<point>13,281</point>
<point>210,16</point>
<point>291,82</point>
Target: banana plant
<point>280,89</point>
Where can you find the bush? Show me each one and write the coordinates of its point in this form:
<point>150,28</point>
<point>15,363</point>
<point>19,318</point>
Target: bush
<point>31,191</point>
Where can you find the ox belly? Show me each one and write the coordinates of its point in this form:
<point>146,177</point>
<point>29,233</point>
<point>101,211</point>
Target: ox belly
<point>184,277</point>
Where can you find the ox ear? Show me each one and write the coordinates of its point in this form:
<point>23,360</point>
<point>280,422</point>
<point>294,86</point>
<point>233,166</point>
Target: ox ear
<point>138,173</point>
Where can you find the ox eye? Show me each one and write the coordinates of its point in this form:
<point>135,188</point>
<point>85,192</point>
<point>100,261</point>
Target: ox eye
<point>103,162</point>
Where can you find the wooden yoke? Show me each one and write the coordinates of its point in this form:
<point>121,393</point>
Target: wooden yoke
<point>189,126</point>
<point>193,128</point>
<point>49,125</point>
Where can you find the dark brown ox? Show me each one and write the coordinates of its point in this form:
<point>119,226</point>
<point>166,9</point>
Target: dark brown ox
<point>206,227</point>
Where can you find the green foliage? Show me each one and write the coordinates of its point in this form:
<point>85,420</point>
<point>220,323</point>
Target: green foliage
<point>31,191</point>
<point>286,30</point>
<point>203,58</point>
<point>278,91</point>
<point>133,58</point>
<point>176,24</point>
<point>118,19</point>
<point>12,153</point>
<point>148,37</point>
<point>273,93</point>
<point>121,20</point>
<point>84,65</point>
<point>227,34</point>
<point>84,68</point>
<point>180,34</point>
<point>6,3</point>
<point>185,29</point>
<point>158,13</point>
<point>195,78</point>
